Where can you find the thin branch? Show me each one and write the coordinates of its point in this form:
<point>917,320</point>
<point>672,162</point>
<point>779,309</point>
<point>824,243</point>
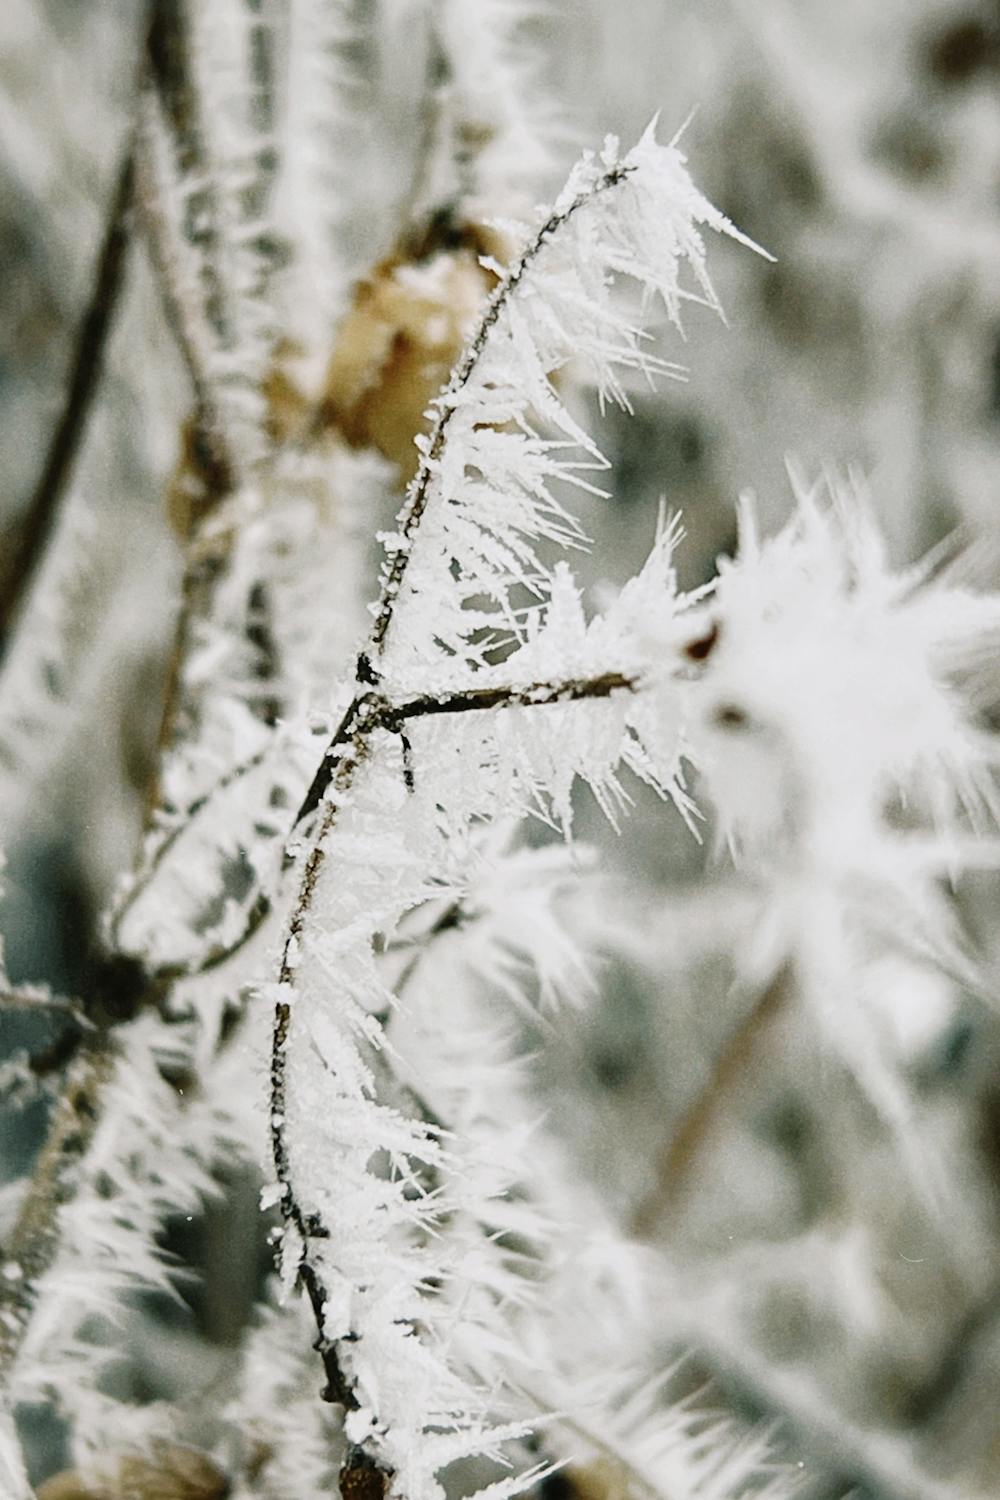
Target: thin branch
<point>29,997</point>
<point>24,555</point>
<point>219,953</point>
<point>370,711</point>
<point>185,819</point>
<point>171,75</point>
<point>265,668</point>
<point>884,1464</point>
<point>181,314</point>
<point>337,1387</point>
<point>437,74</point>
<point>367,715</point>
<point>418,492</point>
<point>688,1138</point>
<point>33,1243</point>
<point>201,573</point>
<point>957,1361</point>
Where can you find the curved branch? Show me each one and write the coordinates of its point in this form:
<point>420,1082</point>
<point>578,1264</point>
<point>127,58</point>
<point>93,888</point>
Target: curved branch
<point>418,494</point>
<point>24,554</point>
<point>34,1240</point>
<point>349,749</point>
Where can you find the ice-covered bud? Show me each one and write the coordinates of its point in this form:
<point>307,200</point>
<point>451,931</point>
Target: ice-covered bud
<point>831,696</point>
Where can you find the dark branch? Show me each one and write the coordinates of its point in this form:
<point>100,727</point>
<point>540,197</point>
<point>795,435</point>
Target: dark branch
<point>24,555</point>
<point>337,1388</point>
<point>681,1152</point>
<point>366,715</point>
<point>369,712</point>
<point>534,695</point>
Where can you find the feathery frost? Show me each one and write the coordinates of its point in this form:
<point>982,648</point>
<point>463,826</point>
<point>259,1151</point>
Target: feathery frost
<point>154,1155</point>
<point>486,499</point>
<point>835,730</point>
<point>494,694</point>
<point>844,680</point>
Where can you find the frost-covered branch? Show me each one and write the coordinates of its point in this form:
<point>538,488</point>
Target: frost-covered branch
<point>34,1241</point>
<point>420,489</point>
<point>367,717</point>
<point>28,997</point>
<point>179,298</point>
<point>390,808</point>
<point>370,712</point>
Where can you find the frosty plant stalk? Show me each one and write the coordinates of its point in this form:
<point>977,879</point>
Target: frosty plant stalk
<point>312,971</point>
<point>481,501</point>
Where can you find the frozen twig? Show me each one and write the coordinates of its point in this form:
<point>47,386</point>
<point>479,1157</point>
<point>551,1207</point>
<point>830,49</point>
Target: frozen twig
<point>33,1243</point>
<point>419,491</point>
<point>497,446</point>
<point>29,997</point>
<point>350,748</point>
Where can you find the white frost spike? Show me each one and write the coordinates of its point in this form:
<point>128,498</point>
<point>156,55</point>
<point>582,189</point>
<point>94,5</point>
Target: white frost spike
<point>416,1240</point>
<point>484,498</point>
<point>832,689</point>
<point>828,713</point>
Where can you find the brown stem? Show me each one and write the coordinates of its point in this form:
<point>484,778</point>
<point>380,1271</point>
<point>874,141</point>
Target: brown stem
<point>24,556</point>
<point>201,574</point>
<point>34,1240</point>
<point>688,1138</point>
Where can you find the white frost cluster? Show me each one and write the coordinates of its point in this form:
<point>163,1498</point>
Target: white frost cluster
<point>488,498</point>
<point>835,689</point>
<point>421,1228</point>
<point>461,1284</point>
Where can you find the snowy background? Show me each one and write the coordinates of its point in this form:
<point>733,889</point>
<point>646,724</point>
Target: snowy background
<point>816,1285</point>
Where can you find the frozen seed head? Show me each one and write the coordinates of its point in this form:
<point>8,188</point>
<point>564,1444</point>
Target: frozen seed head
<point>831,688</point>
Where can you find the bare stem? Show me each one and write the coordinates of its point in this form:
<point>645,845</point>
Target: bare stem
<point>688,1138</point>
<point>23,557</point>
